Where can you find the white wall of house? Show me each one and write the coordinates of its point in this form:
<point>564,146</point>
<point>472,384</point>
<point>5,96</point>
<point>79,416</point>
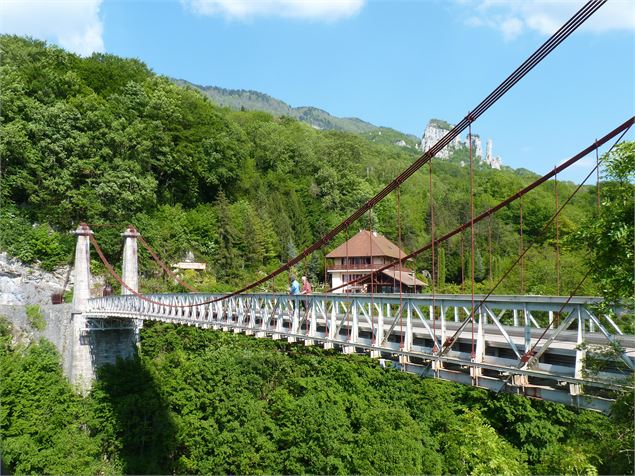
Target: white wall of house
<point>337,280</point>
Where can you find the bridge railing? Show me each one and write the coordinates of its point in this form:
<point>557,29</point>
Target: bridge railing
<point>515,341</point>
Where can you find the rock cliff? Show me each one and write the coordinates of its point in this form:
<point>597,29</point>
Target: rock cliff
<point>21,284</point>
<point>437,128</point>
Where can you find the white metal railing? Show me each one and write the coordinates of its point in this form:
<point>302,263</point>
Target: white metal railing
<point>513,341</point>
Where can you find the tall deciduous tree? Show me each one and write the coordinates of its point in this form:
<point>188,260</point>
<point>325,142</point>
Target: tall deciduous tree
<point>608,237</point>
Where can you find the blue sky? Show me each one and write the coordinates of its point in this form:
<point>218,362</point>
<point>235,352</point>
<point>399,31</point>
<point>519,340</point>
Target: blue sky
<point>394,64</point>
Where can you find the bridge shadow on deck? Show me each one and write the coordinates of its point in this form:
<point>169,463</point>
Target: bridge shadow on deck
<point>134,417</point>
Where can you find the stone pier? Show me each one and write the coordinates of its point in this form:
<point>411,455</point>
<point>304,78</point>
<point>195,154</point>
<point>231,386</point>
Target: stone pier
<point>95,342</point>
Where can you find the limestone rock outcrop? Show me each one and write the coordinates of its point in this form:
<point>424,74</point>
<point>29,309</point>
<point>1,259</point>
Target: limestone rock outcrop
<point>22,284</point>
<point>437,128</point>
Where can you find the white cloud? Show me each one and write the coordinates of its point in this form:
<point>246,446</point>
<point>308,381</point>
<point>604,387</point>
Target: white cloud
<point>329,10</point>
<point>72,24</point>
<point>513,17</point>
<point>511,28</point>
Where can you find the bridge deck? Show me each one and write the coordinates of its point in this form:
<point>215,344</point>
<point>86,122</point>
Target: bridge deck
<point>509,349</point>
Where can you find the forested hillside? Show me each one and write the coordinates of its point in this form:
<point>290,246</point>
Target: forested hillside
<point>104,140</point>
<point>240,99</point>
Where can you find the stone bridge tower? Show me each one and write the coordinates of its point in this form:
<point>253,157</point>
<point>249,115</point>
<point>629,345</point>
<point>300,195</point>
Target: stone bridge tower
<point>95,342</point>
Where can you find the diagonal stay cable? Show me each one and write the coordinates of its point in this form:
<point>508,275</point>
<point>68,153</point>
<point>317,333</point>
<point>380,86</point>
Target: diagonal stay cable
<point>448,344</point>
<point>547,47</point>
<point>622,128</point>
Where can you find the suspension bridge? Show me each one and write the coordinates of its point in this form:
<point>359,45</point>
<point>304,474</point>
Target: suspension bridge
<point>531,345</point>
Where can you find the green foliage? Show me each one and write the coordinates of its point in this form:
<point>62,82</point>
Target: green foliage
<point>35,317</point>
<point>199,402</point>
<point>609,236</point>
<point>33,244</point>
<point>43,424</point>
<point>561,459</point>
<point>104,140</point>
<point>473,447</point>
<point>130,420</point>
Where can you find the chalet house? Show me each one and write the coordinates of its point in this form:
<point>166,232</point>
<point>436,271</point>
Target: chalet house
<point>361,255</point>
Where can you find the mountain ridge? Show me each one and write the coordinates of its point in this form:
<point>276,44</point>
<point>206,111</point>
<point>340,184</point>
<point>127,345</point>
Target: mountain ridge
<point>251,100</point>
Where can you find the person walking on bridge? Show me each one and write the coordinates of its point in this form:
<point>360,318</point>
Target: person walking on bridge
<point>294,290</point>
<point>295,287</point>
<point>306,286</point>
<point>306,289</point>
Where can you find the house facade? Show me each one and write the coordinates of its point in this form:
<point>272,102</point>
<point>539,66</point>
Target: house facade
<point>363,254</point>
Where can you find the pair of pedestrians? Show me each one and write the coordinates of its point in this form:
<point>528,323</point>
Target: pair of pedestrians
<point>295,286</point>
<point>306,289</point>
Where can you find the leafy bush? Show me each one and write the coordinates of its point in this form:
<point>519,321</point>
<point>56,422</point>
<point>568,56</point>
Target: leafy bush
<point>33,243</point>
<point>35,317</point>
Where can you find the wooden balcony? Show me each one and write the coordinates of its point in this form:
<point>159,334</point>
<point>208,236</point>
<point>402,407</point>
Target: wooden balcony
<point>361,267</point>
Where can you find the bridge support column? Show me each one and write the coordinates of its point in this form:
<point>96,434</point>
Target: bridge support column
<point>354,330</point>
<point>332,325</point>
<point>80,370</point>
<point>479,350</point>
<point>379,333</point>
<point>580,355</point>
<point>312,324</point>
<point>130,267</point>
<point>130,270</point>
<point>294,317</point>
<point>408,338</point>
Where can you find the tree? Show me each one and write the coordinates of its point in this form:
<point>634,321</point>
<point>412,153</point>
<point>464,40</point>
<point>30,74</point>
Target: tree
<point>608,237</point>
<point>441,265</point>
<point>473,447</point>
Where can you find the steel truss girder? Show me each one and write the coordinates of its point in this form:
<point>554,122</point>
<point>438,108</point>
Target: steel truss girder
<point>278,315</point>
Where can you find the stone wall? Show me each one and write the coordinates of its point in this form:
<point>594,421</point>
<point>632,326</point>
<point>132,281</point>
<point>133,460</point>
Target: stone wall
<point>58,328</point>
<point>118,340</point>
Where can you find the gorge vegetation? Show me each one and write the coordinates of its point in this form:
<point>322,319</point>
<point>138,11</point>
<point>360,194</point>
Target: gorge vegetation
<point>199,402</point>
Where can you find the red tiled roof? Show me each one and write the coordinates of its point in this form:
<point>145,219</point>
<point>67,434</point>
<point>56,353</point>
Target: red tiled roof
<point>405,276</point>
<point>363,243</point>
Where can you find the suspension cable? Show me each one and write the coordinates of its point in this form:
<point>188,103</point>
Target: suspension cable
<point>555,184</point>
<point>432,278</point>
<point>543,51</point>
<point>472,234</point>
<point>622,128</point>
<point>370,244</point>
<point>462,264</point>
<point>597,171</point>
<point>348,275</point>
<point>522,247</point>
<point>451,340</point>
<point>372,284</point>
<point>489,244</point>
<point>400,266</point>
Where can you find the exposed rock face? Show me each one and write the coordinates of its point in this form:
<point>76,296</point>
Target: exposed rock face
<point>477,147</point>
<point>22,284</point>
<point>493,162</point>
<point>26,284</point>
<point>436,129</point>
